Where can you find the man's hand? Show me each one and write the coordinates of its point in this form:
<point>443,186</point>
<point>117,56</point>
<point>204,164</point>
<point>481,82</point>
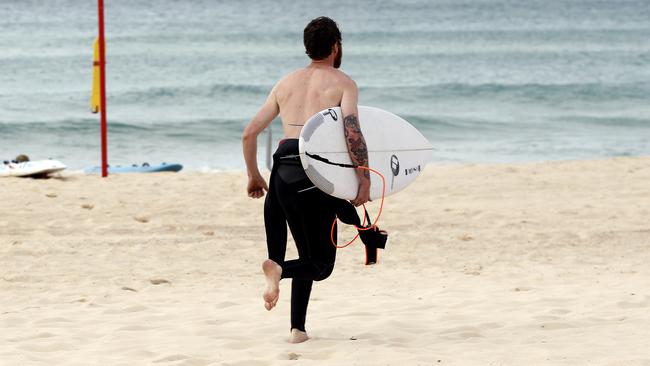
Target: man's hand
<point>256,186</point>
<point>363,195</point>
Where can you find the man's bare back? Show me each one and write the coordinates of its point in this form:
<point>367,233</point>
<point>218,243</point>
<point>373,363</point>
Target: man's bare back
<point>307,91</point>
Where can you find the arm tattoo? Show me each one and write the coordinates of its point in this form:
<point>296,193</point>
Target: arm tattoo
<point>356,143</point>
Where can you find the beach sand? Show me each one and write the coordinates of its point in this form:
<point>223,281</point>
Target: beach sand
<point>518,264</point>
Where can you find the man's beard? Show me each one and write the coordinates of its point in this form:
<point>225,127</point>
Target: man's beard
<point>339,57</point>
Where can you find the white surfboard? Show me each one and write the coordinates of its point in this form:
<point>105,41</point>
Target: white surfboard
<point>396,149</point>
<point>31,168</point>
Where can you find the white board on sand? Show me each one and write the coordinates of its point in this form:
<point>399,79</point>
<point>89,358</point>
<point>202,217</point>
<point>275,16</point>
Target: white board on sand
<point>31,168</point>
<point>396,149</point>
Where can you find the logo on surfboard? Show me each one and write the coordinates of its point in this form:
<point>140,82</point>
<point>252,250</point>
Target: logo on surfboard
<point>332,113</point>
<point>394,167</point>
<point>412,170</point>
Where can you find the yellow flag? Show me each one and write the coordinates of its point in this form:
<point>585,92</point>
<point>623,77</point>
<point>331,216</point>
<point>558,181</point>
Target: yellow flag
<point>94,99</point>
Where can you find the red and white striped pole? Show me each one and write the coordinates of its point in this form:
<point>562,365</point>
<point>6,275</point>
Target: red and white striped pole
<point>102,86</point>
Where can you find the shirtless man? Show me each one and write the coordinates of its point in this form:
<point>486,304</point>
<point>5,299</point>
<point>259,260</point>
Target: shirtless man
<point>291,197</point>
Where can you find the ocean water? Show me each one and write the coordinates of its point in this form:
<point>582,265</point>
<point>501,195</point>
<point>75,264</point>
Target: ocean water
<point>484,80</point>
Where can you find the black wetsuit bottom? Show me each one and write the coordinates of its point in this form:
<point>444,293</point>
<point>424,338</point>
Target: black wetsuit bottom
<point>293,199</point>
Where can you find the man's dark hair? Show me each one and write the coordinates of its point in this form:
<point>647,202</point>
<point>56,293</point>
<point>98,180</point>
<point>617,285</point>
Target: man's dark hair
<point>319,37</point>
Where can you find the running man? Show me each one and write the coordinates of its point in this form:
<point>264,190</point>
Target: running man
<point>292,198</point>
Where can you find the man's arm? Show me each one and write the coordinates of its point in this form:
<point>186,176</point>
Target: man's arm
<point>354,139</point>
<point>266,114</point>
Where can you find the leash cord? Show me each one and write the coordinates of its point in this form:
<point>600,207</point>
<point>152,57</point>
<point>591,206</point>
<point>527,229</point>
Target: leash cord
<point>366,216</point>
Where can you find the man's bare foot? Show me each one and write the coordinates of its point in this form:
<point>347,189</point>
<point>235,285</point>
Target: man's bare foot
<point>297,336</point>
<point>273,273</point>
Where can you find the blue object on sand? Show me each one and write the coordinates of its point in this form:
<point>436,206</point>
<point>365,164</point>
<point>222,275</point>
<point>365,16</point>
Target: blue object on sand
<point>144,168</point>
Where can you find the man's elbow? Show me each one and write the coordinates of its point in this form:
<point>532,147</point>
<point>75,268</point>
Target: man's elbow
<point>249,134</point>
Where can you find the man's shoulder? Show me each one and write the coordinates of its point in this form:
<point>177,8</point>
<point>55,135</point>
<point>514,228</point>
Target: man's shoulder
<point>288,78</point>
<point>343,76</point>
<point>343,79</point>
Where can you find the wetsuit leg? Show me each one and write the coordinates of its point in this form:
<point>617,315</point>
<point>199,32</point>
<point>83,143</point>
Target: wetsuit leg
<point>310,214</point>
<point>347,213</point>
<point>275,223</point>
<point>300,292</point>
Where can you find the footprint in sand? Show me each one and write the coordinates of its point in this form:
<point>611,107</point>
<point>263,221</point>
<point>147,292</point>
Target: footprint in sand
<point>130,309</point>
<point>560,311</point>
<point>473,269</point>
<point>142,219</point>
<point>632,305</point>
<point>522,289</point>
<point>159,281</point>
<point>464,332</point>
<point>171,358</point>
<point>19,278</point>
